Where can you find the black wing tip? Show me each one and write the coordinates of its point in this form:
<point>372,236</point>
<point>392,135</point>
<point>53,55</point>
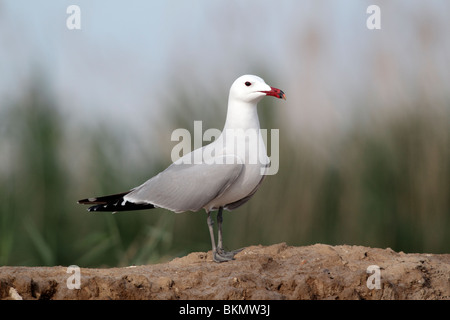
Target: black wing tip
<point>104,199</point>
<point>120,206</point>
<point>114,203</point>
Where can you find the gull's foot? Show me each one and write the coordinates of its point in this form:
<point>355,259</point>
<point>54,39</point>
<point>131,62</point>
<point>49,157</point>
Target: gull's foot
<point>221,255</point>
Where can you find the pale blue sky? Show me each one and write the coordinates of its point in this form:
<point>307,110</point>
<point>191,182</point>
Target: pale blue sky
<point>129,53</point>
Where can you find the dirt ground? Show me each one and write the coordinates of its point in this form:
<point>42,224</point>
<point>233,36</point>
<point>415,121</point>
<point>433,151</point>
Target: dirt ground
<point>259,272</point>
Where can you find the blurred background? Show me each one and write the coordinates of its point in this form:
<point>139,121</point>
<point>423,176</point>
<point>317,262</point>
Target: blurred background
<point>364,133</point>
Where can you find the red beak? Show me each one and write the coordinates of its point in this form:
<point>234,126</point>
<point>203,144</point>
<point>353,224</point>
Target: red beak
<point>274,92</point>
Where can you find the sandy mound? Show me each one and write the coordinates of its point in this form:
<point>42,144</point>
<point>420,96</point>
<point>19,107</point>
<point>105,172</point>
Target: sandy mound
<point>274,272</point>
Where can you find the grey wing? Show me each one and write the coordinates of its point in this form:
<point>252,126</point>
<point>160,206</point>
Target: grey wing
<point>186,187</point>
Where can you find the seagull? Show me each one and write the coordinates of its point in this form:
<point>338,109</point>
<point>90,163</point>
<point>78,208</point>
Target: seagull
<point>221,175</point>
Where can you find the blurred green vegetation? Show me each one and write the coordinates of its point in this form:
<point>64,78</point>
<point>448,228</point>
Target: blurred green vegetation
<point>383,182</point>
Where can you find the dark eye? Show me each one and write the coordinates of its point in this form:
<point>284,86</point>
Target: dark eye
<point>248,84</point>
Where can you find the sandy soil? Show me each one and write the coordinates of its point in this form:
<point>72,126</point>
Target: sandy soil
<point>259,272</point>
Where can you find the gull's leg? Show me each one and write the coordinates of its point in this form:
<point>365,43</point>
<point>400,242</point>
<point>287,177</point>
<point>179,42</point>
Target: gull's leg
<point>219,226</point>
<point>224,254</point>
<point>216,257</point>
<point>211,232</point>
